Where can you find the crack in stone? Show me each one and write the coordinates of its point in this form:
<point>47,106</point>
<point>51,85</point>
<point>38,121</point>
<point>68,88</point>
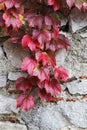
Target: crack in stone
<point>25,124</point>
<point>4,51</point>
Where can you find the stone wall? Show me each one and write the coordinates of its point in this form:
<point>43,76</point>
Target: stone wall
<point>70,111</point>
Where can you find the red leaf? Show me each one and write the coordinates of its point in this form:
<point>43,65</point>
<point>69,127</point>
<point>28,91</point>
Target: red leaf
<point>56,6</point>
<point>56,32</point>
<point>12,18</point>
<point>43,95</point>
<point>59,73</point>
<point>48,20</point>
<point>78,5</point>
<point>28,41</point>
<point>70,3</point>
<point>41,73</point>
<point>25,102</point>
<point>52,87</point>
<point>62,42</point>
<point>41,84</point>
<point>51,46</point>
<point>55,3</point>
<point>44,36</point>
<point>29,65</point>
<point>33,81</point>
<point>38,21</point>
<point>29,16</point>
<point>2,1</point>
<point>42,57</point>
<point>19,100</point>
<point>52,58</point>
<point>25,40</point>
<point>25,64</point>
<point>23,84</point>
<point>10,3</point>
<point>35,33</point>
<point>51,2</point>
<point>34,20</point>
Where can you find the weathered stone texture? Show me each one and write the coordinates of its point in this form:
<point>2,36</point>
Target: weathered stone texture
<point>83,33</point>
<point>45,118</point>
<point>1,53</point>
<point>54,117</point>
<point>78,20</point>
<point>60,57</point>
<point>11,126</point>
<point>15,75</point>
<point>3,80</point>
<point>5,66</point>
<point>76,112</point>
<point>77,87</point>
<point>7,105</point>
<point>15,54</point>
<point>72,128</point>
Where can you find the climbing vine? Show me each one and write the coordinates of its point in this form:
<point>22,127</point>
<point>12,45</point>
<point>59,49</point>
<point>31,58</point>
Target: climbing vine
<point>35,24</point>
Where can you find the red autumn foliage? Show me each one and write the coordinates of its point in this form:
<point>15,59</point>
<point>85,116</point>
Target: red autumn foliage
<point>35,25</point>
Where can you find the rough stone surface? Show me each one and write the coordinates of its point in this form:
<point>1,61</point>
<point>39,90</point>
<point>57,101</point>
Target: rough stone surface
<point>76,112</point>
<point>11,126</point>
<point>78,20</point>
<point>76,59</point>
<point>77,87</point>
<point>15,54</point>
<point>45,118</point>
<point>60,57</point>
<point>54,117</point>
<point>1,53</point>
<point>71,128</point>
<point>7,105</point>
<point>3,80</point>
<point>83,34</point>
<point>15,75</point>
<point>5,66</point>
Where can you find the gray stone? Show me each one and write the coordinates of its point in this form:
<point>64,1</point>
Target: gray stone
<point>76,59</point>
<point>77,87</point>
<point>58,117</point>
<point>75,112</point>
<point>1,53</point>
<point>83,34</point>
<point>7,105</point>
<point>45,118</point>
<point>60,56</point>
<point>71,128</point>
<point>11,126</point>
<point>15,53</point>
<point>78,20</point>
<point>3,80</point>
<point>5,66</point>
<point>83,67</point>
<point>15,75</point>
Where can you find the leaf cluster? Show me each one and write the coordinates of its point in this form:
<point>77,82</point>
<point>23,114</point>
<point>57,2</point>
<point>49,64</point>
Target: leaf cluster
<point>35,25</point>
